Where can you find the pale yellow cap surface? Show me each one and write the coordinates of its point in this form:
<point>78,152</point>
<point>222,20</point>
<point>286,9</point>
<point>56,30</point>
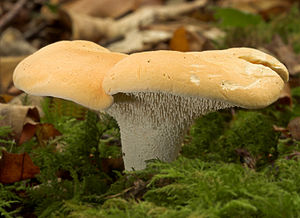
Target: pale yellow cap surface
<point>257,57</point>
<point>224,75</point>
<point>72,70</point>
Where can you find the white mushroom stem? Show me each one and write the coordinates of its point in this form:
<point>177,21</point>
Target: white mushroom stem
<point>152,125</point>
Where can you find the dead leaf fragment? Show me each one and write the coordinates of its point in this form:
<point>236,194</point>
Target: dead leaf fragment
<point>187,39</point>
<point>293,156</point>
<point>246,158</point>
<point>4,98</point>
<point>101,8</point>
<point>285,54</point>
<point>179,41</point>
<point>265,8</point>
<point>92,28</point>
<point>30,100</point>
<point>16,167</point>
<point>294,128</point>
<point>45,132</point>
<point>27,133</point>
<point>17,116</point>
<point>284,131</point>
<point>106,8</point>
<point>143,40</point>
<point>285,96</point>
<point>280,129</point>
<point>12,43</point>
<point>110,164</point>
<point>14,91</point>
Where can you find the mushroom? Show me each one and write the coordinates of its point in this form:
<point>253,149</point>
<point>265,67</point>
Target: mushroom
<point>73,70</point>
<point>158,94</point>
<point>154,96</point>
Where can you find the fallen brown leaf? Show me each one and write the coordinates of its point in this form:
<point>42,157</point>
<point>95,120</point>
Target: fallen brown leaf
<point>280,129</point>
<point>12,43</point>
<point>27,133</point>
<point>294,128</point>
<point>143,40</point>
<point>29,100</point>
<point>4,98</point>
<point>285,54</point>
<point>293,156</point>
<point>284,131</point>
<point>285,96</point>
<point>12,90</point>
<point>110,164</point>
<point>45,132</point>
<point>142,3</point>
<point>101,8</point>
<point>17,116</point>
<point>246,158</point>
<point>179,41</point>
<point>16,167</point>
<point>188,39</point>
<point>94,29</point>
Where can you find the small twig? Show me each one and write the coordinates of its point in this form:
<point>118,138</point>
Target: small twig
<point>34,31</point>
<point>8,17</point>
<point>119,194</point>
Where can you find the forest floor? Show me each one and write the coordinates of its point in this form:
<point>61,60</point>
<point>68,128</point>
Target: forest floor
<point>60,159</point>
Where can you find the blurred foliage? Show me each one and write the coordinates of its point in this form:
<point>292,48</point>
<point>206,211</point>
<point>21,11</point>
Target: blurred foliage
<point>229,17</point>
<point>246,29</point>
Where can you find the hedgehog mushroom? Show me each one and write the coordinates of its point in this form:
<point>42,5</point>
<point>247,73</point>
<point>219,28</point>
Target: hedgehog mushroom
<point>72,70</point>
<point>154,96</point>
<point>158,94</point>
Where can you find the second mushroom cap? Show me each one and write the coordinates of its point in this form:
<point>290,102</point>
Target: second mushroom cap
<point>225,75</point>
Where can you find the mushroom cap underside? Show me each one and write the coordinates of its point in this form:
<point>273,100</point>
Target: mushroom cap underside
<point>249,80</point>
<point>72,70</point>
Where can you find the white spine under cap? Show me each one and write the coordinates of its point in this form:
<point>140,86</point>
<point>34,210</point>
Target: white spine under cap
<point>153,124</point>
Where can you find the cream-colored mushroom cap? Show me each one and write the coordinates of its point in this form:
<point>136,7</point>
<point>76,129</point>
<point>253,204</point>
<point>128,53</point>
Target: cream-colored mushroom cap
<point>257,57</point>
<point>72,70</point>
<point>241,76</point>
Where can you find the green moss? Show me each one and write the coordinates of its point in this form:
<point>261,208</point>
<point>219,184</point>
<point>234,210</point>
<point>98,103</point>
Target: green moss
<point>70,164</point>
<point>251,131</point>
<point>204,133</point>
<point>214,138</point>
<point>193,188</point>
<point>225,190</point>
<point>203,185</point>
<point>5,137</point>
<point>115,208</point>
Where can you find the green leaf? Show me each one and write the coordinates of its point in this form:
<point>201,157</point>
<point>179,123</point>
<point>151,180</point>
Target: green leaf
<point>229,17</point>
<point>296,92</point>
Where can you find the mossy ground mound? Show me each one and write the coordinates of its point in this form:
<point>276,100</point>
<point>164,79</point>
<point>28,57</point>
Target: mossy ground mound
<point>233,164</point>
